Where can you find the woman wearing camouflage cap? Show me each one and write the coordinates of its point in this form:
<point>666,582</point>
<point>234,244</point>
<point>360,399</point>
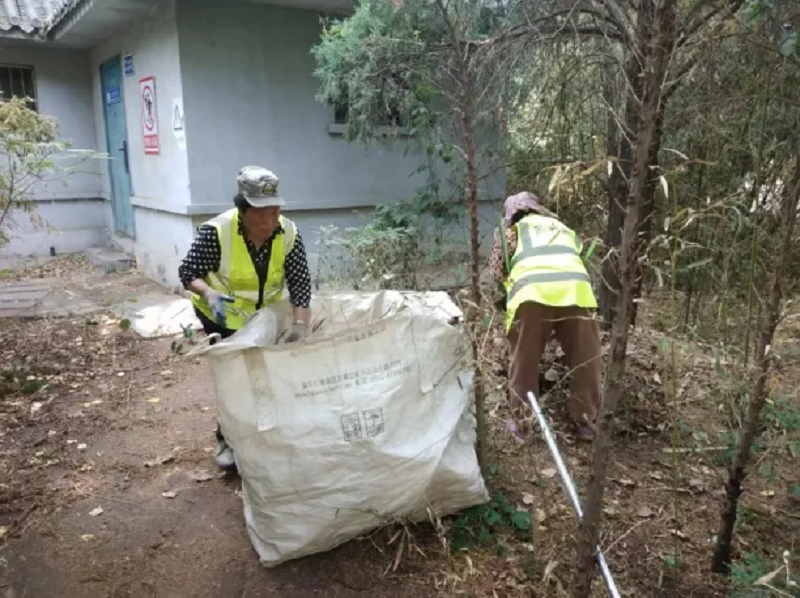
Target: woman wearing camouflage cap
<point>241,260</point>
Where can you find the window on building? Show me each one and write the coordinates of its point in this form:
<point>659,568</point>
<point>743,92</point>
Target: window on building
<point>390,118</point>
<point>17,82</point>
<point>340,113</point>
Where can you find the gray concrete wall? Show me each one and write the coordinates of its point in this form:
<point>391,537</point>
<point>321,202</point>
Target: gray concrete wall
<point>153,41</point>
<point>69,214</point>
<point>249,95</point>
<point>328,261</point>
<point>249,98</point>
<point>63,90</point>
<point>160,183</point>
<point>162,240</point>
<point>67,225</point>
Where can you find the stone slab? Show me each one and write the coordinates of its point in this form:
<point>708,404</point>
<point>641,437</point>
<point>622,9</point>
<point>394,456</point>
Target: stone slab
<point>22,299</point>
<point>16,262</point>
<point>40,299</point>
<point>109,260</point>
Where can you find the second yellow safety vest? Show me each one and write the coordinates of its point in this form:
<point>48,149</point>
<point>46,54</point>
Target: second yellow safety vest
<point>547,267</point>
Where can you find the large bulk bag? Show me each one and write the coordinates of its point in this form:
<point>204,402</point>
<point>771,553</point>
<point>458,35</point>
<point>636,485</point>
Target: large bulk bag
<point>367,421</point>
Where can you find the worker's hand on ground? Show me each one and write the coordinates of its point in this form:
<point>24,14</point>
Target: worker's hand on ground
<point>522,418</point>
<point>296,333</point>
<point>216,301</point>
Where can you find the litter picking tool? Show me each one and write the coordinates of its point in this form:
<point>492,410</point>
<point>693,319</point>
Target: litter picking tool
<point>570,488</point>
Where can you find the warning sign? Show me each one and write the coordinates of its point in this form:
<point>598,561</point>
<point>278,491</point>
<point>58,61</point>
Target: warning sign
<point>147,93</point>
<point>178,125</point>
<point>177,115</point>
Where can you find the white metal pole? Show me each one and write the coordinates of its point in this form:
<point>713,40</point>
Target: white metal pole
<point>570,488</point>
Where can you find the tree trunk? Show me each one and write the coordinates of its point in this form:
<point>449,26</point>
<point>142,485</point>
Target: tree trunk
<point>656,45</point>
<point>465,102</point>
<point>648,211</point>
<point>733,489</point>
<point>693,285</point>
<point>619,146</point>
<point>619,181</point>
<point>468,122</point>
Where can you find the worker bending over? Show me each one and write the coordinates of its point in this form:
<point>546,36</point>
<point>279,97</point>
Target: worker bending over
<point>241,260</point>
<point>547,288</point>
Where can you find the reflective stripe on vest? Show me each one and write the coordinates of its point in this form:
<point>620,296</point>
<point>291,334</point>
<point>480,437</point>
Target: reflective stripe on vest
<point>237,275</point>
<point>547,267</point>
<point>544,250</point>
<point>545,277</point>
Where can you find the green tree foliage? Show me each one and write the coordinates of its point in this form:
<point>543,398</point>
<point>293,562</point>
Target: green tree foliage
<point>31,154</point>
<point>411,62</point>
<point>703,153</point>
<point>442,71</point>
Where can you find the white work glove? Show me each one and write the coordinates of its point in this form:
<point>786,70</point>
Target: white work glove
<point>296,333</point>
<point>215,301</point>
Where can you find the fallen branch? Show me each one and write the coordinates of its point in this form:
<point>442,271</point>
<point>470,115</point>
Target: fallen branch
<point>696,449</point>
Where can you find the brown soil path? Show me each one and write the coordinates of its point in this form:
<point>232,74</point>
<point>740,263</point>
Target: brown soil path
<point>80,429</point>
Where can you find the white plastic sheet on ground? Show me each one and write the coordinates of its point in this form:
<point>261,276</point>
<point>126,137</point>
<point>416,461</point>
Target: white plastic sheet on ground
<point>367,421</point>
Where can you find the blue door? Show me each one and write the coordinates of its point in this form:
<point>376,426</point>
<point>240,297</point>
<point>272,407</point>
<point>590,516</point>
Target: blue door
<point>117,146</point>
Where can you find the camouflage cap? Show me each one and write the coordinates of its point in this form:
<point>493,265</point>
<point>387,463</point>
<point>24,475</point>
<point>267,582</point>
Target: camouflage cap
<point>259,187</point>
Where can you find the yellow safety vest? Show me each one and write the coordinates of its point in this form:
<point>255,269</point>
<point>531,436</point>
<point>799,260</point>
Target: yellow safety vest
<point>547,267</point>
<point>237,275</point>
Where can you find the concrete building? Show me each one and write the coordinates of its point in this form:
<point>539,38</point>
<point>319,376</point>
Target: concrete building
<point>180,94</point>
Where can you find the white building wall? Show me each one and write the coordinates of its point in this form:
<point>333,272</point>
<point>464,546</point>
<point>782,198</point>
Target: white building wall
<point>245,74</point>
<point>250,98</point>
<point>249,95</point>
<point>68,226</point>
<point>69,208</point>
<point>160,183</point>
<point>153,42</point>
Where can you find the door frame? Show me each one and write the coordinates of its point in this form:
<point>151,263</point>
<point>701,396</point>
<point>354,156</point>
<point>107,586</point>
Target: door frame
<point>116,60</point>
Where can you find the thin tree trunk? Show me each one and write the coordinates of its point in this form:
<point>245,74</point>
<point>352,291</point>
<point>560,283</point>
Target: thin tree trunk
<point>657,45</point>
<point>754,240</point>
<point>9,202</point>
<point>693,284</point>
<point>464,99</point>
<point>619,147</point>
<point>468,122</point>
<point>733,489</point>
<point>648,212</point>
<point>619,181</point>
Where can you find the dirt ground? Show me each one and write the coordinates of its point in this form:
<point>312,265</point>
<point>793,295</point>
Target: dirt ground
<point>108,489</point>
<point>94,417</point>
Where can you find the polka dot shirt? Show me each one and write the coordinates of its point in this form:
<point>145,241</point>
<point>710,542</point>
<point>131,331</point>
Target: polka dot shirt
<point>205,253</point>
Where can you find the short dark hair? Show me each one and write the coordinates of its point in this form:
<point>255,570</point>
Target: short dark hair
<point>241,203</point>
<point>520,215</point>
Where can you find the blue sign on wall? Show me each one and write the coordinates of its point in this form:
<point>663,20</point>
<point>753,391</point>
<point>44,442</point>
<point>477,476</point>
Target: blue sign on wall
<point>128,62</point>
<point>112,95</point>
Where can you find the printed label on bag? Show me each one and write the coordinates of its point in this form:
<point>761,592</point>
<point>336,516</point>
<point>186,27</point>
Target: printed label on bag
<point>343,339</point>
<point>315,387</point>
<point>351,424</point>
<point>374,421</point>
<point>351,427</point>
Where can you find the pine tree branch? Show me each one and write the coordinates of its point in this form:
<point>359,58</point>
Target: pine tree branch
<point>695,21</point>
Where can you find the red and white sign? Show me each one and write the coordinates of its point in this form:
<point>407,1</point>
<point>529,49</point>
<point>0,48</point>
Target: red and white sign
<point>147,95</point>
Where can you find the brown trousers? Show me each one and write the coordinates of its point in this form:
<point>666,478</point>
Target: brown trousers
<point>579,336</point>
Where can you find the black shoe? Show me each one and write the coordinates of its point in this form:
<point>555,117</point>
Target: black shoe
<point>223,454</point>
